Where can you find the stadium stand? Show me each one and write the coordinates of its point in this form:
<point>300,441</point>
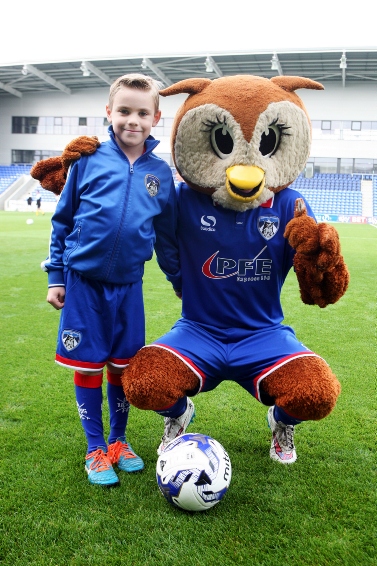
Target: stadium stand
<point>375,196</point>
<point>331,193</point>
<point>10,174</point>
<point>327,193</point>
<point>47,196</point>
<point>16,199</point>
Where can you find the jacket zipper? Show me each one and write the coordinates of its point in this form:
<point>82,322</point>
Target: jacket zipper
<point>121,222</point>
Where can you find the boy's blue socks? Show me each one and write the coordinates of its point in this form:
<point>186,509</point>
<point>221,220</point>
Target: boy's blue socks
<point>89,405</point>
<point>119,408</point>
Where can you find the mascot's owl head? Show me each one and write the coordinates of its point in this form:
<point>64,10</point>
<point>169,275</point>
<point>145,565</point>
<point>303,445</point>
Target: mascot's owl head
<point>241,138</point>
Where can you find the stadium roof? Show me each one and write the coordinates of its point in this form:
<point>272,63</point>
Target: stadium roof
<point>344,66</point>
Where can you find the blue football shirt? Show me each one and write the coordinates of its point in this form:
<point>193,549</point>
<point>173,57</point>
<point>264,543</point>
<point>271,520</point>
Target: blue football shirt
<point>234,263</point>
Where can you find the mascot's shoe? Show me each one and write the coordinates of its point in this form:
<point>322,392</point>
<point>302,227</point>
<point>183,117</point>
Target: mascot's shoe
<point>99,469</point>
<point>177,427</point>
<point>282,446</point>
<point>121,454</point>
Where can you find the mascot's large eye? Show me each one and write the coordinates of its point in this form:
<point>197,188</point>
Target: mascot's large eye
<point>270,139</point>
<point>221,138</point>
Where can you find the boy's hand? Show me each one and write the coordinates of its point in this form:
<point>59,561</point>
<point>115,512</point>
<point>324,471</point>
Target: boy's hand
<point>56,296</point>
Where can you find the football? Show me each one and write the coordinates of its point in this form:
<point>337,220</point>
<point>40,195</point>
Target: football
<point>194,472</point>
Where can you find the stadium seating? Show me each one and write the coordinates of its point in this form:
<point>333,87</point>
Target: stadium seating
<point>47,196</point>
<point>375,196</point>
<point>331,193</point>
<point>327,193</point>
<point>10,174</point>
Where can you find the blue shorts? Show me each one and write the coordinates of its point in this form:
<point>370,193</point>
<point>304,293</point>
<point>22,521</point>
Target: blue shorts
<point>100,323</point>
<point>239,355</point>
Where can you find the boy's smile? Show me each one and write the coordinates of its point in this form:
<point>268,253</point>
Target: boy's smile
<point>132,115</point>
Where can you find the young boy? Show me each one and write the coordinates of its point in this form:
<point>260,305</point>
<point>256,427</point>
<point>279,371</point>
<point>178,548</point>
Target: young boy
<point>117,205</point>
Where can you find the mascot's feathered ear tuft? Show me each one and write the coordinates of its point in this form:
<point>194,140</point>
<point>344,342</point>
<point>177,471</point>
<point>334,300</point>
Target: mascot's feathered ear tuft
<point>291,84</point>
<point>189,86</point>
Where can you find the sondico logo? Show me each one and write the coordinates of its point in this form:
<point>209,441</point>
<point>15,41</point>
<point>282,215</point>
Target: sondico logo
<point>254,268</point>
<point>208,223</point>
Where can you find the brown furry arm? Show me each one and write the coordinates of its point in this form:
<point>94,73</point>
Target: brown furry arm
<point>321,272</point>
<point>52,172</point>
<point>83,145</point>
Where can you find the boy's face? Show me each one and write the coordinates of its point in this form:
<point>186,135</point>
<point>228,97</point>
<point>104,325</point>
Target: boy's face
<point>132,116</point>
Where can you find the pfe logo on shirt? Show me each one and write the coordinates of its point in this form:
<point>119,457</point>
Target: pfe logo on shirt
<point>152,184</point>
<point>268,226</point>
<point>71,339</point>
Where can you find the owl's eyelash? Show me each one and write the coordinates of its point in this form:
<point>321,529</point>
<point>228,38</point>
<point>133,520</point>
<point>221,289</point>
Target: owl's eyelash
<point>281,127</point>
<point>209,124</point>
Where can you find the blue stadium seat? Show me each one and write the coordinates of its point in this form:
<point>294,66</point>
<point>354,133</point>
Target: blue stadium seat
<point>10,174</point>
<point>333,193</point>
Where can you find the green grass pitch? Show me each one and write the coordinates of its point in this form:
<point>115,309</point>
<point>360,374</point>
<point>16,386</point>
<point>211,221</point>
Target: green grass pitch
<point>319,512</point>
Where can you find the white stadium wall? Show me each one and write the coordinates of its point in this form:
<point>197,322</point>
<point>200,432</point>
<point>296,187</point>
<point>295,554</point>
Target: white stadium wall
<point>353,102</point>
<point>82,103</point>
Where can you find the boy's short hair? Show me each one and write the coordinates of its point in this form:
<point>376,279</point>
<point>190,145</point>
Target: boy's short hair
<point>137,81</point>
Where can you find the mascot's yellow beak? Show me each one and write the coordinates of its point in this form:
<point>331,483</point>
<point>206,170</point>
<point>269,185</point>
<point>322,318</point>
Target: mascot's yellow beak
<point>245,182</point>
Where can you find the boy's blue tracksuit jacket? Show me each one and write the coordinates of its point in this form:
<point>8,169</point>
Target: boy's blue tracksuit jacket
<point>112,215</point>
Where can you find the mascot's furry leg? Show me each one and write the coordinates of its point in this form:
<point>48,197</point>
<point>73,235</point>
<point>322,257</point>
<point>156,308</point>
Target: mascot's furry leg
<point>156,379</point>
<point>302,389</point>
<point>305,388</point>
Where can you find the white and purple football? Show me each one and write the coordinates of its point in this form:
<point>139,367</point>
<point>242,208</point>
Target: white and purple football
<point>194,472</point>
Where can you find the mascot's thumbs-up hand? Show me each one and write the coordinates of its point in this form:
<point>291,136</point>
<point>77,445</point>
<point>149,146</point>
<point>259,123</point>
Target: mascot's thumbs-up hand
<point>52,172</point>
<point>321,272</point>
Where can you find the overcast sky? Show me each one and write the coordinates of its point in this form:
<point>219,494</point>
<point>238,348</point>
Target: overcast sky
<point>43,30</point>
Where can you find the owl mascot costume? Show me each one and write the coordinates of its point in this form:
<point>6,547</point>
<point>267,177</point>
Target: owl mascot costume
<point>238,142</point>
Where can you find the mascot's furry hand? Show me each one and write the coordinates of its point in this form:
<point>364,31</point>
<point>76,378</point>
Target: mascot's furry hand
<point>321,272</point>
<point>52,172</point>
